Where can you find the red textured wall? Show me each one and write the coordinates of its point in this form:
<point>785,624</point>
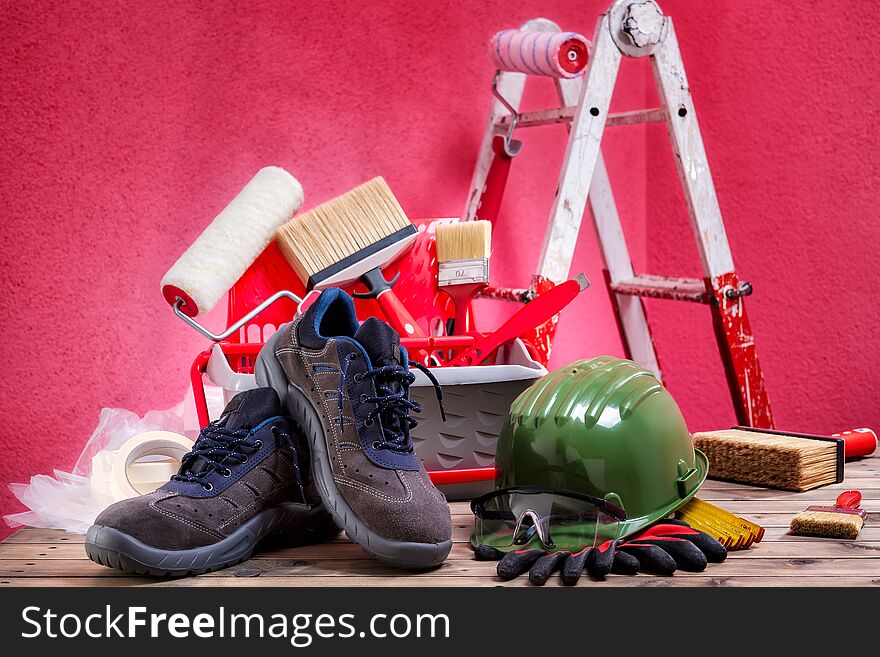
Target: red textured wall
<point>127,126</point>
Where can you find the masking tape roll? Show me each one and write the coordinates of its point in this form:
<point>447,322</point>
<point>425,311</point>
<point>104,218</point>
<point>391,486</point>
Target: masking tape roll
<point>118,475</point>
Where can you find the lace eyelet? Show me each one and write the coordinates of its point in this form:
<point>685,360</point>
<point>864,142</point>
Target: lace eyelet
<point>369,422</point>
<point>208,487</point>
<point>358,377</point>
<point>258,444</point>
<point>245,459</point>
<point>276,431</point>
<point>364,398</point>
<point>376,445</point>
<point>227,472</point>
<point>352,356</point>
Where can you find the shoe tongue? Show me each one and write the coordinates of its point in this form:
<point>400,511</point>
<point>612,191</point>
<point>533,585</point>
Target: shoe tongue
<point>244,411</point>
<point>250,408</point>
<point>380,341</point>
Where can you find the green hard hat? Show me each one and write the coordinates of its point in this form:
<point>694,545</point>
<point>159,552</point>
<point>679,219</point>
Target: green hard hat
<point>607,428</point>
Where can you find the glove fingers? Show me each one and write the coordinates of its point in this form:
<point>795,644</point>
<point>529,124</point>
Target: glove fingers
<point>712,550</point>
<point>625,564</point>
<point>487,553</point>
<point>546,566</point>
<point>600,561</point>
<point>514,564</point>
<point>651,558</point>
<point>574,567</point>
<point>710,547</point>
<point>687,556</point>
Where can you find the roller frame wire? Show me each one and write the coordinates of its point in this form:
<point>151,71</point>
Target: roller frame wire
<point>234,328</point>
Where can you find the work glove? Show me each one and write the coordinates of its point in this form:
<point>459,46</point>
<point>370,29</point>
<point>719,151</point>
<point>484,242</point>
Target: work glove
<point>660,549</point>
<point>669,545</point>
<point>540,564</point>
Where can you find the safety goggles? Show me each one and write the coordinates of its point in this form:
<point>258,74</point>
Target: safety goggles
<point>555,519</point>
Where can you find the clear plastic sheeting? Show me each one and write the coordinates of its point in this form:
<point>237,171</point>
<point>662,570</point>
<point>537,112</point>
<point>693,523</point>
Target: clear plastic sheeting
<point>65,500</point>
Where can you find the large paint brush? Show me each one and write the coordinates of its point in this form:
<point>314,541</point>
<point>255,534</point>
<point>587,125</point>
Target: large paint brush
<point>350,238</point>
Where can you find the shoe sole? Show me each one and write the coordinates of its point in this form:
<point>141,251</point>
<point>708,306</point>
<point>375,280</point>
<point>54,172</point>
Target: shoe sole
<point>115,549</point>
<point>402,554</point>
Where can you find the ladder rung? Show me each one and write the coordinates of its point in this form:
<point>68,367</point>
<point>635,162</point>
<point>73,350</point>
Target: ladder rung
<point>636,116</point>
<point>563,114</point>
<point>663,287</point>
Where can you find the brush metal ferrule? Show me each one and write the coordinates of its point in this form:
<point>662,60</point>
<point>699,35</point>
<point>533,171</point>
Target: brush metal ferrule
<point>459,272</point>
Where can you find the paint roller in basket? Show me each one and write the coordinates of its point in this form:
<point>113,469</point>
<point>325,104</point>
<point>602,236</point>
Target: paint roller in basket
<point>235,254</point>
<point>533,52</point>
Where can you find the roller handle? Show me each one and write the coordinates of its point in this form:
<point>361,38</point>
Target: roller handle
<point>537,311</point>
<point>857,442</point>
<point>848,499</point>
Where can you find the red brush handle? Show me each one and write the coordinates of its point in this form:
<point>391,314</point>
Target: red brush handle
<point>848,499</point>
<point>461,296</point>
<point>533,314</point>
<point>857,442</point>
<point>398,316</point>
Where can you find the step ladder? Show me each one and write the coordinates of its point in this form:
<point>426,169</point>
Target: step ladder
<point>629,28</point>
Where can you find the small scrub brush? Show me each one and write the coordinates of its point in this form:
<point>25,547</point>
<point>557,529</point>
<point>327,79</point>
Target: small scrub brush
<point>843,520</point>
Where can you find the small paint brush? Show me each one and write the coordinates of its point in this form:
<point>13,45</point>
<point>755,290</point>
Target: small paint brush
<point>843,520</point>
<point>463,250</point>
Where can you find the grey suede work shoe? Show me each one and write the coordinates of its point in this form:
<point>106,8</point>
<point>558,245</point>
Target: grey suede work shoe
<point>347,389</point>
<point>242,481</point>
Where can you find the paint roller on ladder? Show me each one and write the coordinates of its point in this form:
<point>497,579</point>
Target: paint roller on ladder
<point>628,29</point>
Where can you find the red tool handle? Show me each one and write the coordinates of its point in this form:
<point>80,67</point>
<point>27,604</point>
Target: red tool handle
<point>398,316</point>
<point>857,442</point>
<point>537,311</point>
<point>848,499</point>
<point>462,296</point>
<point>496,181</point>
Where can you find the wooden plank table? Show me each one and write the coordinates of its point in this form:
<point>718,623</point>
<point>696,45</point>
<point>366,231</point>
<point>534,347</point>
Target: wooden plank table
<point>41,557</point>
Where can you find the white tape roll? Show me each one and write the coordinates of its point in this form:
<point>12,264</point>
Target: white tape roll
<point>118,475</point>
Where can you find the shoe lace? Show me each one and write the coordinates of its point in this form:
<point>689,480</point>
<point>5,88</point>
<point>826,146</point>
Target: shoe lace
<point>392,403</point>
<point>219,447</point>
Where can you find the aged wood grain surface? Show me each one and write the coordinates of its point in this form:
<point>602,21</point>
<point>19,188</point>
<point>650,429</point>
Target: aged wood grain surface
<point>45,557</point>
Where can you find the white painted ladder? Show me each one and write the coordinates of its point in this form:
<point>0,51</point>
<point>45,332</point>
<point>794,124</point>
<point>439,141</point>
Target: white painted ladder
<point>631,29</point>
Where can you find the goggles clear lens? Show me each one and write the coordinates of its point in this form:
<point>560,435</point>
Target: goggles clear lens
<point>531,517</point>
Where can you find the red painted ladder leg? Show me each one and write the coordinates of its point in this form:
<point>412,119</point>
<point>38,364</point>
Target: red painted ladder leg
<point>737,346</point>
